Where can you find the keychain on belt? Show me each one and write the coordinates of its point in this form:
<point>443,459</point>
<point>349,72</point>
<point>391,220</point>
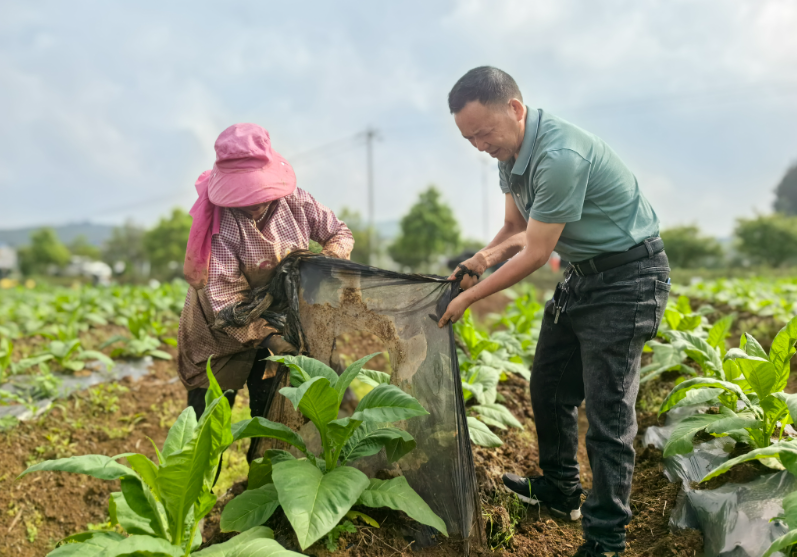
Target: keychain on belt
<point>560,298</point>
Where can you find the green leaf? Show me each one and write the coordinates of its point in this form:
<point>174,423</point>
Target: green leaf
<point>88,354</point>
<point>399,496</point>
<point>180,433</point>
<point>373,378</point>
<point>785,450</point>
<point>251,508</point>
<point>349,374</point>
<point>304,368</point>
<point>387,403</point>
<point>183,474</point>
<point>145,468</point>
<point>315,502</point>
<point>97,466</point>
<point>141,546</point>
<point>140,501</point>
<point>498,413</point>
<point>369,439</point>
<point>698,396</point>
<point>255,542</point>
<point>679,391</point>
<point>719,332</point>
<point>260,468</point>
<point>753,348</point>
<point>760,375</point>
<point>160,354</point>
<point>214,391</point>
<point>791,403</point>
<point>261,427</point>
<point>785,541</point>
<point>86,544</point>
<point>790,509</point>
<point>318,402</point>
<point>481,435</point>
<point>782,349</point>
<point>680,441</point>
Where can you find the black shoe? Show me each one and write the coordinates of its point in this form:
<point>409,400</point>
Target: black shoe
<point>537,490</point>
<point>594,549</point>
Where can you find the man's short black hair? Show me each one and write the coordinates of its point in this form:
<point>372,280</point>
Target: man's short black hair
<point>485,84</point>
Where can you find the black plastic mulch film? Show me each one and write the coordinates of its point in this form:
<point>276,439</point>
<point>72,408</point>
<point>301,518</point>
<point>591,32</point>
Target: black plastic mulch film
<point>314,300</point>
<point>737,520</point>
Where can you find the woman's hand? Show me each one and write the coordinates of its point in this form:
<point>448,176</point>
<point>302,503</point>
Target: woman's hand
<point>455,309</point>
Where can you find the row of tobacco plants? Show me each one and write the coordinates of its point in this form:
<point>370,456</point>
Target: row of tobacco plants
<point>44,330</point>
<point>738,392</point>
<point>487,355</point>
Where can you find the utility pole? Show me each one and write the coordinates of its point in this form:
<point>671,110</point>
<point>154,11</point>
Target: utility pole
<point>370,135</point>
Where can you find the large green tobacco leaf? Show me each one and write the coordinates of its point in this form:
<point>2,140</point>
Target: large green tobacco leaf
<point>316,400</point>
<point>86,544</point>
<point>700,351</point>
<point>255,542</point>
<point>752,347</point>
<point>760,374</point>
<point>251,508</point>
<point>698,396</point>
<point>349,375</point>
<point>791,402</point>
<point>666,357</point>
<point>97,466</point>
<point>138,499</point>
<point>261,427</point>
<point>369,439</point>
<point>260,468</point>
<point>374,378</point>
<point>498,415</point>
<point>399,496</point>
<point>145,468</point>
<point>785,541</point>
<point>315,502</point>
<point>304,368</point>
<point>182,475</point>
<point>785,451</point>
<point>481,435</point>
<point>680,441</point>
<point>142,546</point>
<point>486,378</point>
<point>782,349</point>
<point>790,509</point>
<point>180,433</point>
<point>387,403</point>
<point>679,391</point>
<point>719,332</point>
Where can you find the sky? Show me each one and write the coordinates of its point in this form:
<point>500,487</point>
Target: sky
<point>109,110</point>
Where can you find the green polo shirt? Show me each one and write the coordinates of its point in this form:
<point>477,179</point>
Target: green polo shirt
<point>564,174</point>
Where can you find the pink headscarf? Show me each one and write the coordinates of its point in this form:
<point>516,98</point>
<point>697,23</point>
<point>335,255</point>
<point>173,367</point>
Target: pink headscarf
<point>247,172</point>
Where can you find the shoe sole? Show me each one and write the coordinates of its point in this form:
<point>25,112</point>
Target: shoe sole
<point>573,515</point>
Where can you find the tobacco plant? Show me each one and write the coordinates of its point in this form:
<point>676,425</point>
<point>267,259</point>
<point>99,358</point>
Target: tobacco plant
<point>748,390</point>
<point>161,503</point>
<point>317,491</point>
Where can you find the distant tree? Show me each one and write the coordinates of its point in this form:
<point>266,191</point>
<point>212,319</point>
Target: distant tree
<point>786,193</point>
<point>771,239</point>
<point>429,229</point>
<point>81,246</point>
<point>362,235</point>
<point>687,248</point>
<point>45,251</point>
<point>164,245</point>
<point>124,251</point>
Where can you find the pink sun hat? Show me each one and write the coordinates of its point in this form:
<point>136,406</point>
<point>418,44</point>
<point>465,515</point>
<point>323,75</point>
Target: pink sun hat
<point>248,171</point>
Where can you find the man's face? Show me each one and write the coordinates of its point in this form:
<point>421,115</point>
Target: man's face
<point>494,129</point>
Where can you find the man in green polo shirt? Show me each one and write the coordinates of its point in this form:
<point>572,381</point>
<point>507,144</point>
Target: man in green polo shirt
<point>566,190</point>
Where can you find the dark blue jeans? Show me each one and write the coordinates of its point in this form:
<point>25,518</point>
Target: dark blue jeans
<point>593,353</point>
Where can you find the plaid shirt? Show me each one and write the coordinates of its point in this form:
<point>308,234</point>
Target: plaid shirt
<point>243,257</point>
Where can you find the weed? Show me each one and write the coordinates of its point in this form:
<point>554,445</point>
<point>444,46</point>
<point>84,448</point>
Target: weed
<point>502,513</point>
<point>334,535</point>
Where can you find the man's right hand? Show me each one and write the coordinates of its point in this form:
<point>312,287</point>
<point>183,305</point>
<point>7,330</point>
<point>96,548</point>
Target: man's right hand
<point>477,264</point>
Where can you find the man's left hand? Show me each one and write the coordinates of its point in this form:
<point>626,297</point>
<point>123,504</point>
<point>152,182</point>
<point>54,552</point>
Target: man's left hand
<point>455,310</point>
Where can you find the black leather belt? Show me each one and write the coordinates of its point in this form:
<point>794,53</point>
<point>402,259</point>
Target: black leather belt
<point>606,261</point>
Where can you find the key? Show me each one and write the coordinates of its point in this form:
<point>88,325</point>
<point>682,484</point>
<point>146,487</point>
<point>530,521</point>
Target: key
<point>556,317</point>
